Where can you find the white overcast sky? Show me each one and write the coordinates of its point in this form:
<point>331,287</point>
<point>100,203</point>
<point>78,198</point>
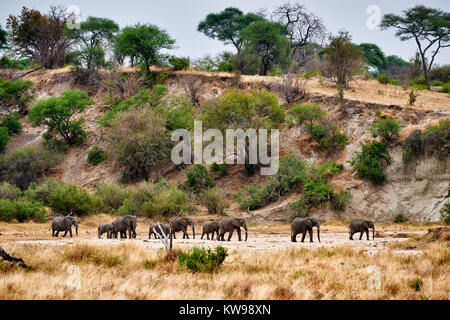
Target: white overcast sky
<point>180,18</point>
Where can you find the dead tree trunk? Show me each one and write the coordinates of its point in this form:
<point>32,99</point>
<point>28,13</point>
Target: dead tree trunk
<point>5,256</point>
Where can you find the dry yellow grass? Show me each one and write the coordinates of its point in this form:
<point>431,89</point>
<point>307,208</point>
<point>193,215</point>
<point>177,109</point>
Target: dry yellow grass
<point>127,271</point>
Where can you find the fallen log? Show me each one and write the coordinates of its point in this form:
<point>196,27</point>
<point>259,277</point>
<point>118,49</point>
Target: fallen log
<point>7,257</point>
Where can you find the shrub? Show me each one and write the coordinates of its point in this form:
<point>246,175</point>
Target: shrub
<point>400,218</point>
<point>387,129</point>
<point>56,113</point>
<point>21,210</point>
<point>340,200</point>
<point>42,192</point>
<point>96,155</point>
<point>4,138</point>
<point>112,196</point>
<point>316,192</point>
<point>445,213</point>
<point>220,168</point>
<point>15,96</point>
<point>203,260</point>
<point>416,284</point>
<point>8,191</point>
<point>445,88</point>
<point>329,137</point>
<point>198,178</point>
<point>85,253</point>
<point>307,113</point>
<point>251,197</point>
<point>24,165</point>
<point>167,201</point>
<point>180,63</point>
<point>275,72</point>
<point>368,163</point>
<point>213,200</point>
<point>412,97</point>
<point>385,79</point>
<point>12,123</point>
<point>66,199</point>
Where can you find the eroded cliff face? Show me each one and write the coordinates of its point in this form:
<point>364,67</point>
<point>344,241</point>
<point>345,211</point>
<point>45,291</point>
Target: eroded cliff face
<point>418,190</point>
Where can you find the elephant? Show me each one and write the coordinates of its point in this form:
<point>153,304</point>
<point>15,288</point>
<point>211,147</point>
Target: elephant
<point>123,224</point>
<point>304,225</point>
<point>105,228</point>
<point>361,226</point>
<point>229,224</point>
<point>181,224</point>
<point>61,223</point>
<point>211,227</point>
<point>154,228</point>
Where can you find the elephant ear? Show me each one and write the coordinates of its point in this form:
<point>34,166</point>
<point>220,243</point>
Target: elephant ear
<point>365,223</point>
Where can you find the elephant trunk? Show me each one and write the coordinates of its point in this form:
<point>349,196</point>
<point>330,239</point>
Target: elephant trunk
<point>318,234</point>
<point>246,232</point>
<point>373,233</point>
<point>193,231</point>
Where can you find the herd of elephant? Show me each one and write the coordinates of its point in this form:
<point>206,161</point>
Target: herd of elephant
<point>125,224</point>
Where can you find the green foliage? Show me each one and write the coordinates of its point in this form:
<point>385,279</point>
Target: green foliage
<point>25,165</point>
<point>213,200</point>
<point>3,38</point>
<point>57,113</point>
<point>385,79</point>
<point>316,192</point>
<point>12,123</point>
<point>374,55</point>
<point>180,63</point>
<point>112,196</point>
<point>144,42</point>
<point>96,155</point>
<point>370,162</point>
<point>41,193</point>
<point>21,210</point>
<point>4,138</point>
<point>8,191</point>
<point>66,199</point>
<point>267,43</point>
<point>15,96</point>
<point>22,64</point>
<point>387,129</point>
<point>198,178</point>
<point>445,213</point>
<point>251,197</point>
<point>203,260</point>
<point>441,73</point>
<point>223,62</point>
<point>307,113</point>
<point>400,218</point>
<point>220,168</point>
<point>416,284</point>
<point>445,88</point>
<point>329,137</point>
<point>276,72</point>
<point>340,200</point>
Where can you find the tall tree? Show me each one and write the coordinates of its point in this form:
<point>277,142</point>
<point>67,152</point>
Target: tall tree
<point>3,38</point>
<point>429,27</point>
<point>303,27</point>
<point>93,36</point>
<point>40,37</point>
<point>267,42</point>
<point>144,41</point>
<point>374,55</point>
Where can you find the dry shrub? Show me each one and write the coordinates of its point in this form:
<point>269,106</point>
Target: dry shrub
<point>292,88</point>
<point>283,293</point>
<point>121,85</point>
<point>193,87</point>
<point>84,253</point>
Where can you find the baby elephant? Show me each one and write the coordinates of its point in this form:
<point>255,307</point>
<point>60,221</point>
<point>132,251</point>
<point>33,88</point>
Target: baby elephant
<point>211,227</point>
<point>361,226</point>
<point>154,229</point>
<point>105,228</point>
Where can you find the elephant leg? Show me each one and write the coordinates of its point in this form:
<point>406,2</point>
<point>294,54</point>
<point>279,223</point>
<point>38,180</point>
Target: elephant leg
<point>351,235</point>
<point>53,233</point>
<point>57,233</point>
<point>207,236</point>
<point>201,238</point>
<point>367,232</point>
<point>361,234</point>
<point>293,237</point>
<point>303,236</point>
<point>174,235</point>
<point>185,233</point>
<point>212,235</point>
<point>65,234</point>
<point>230,234</point>
<point>310,235</point>
<point>239,234</point>
<point>70,232</point>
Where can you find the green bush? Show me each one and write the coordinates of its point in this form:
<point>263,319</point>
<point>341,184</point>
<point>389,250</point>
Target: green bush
<point>220,168</point>
<point>15,96</point>
<point>4,138</point>
<point>42,192</point>
<point>370,162</point>
<point>198,178</point>
<point>340,200</point>
<point>387,129</point>
<point>180,63</point>
<point>400,218</point>
<point>168,201</point>
<point>276,72</point>
<point>67,199</point>
<point>445,213</point>
<point>213,200</point>
<point>251,197</point>
<point>384,79</point>
<point>307,113</point>
<point>12,123</point>
<point>25,165</point>
<point>316,192</point>
<point>96,155</point>
<point>21,210</point>
<point>10,192</point>
<point>203,260</point>
<point>445,88</point>
<point>329,137</point>
<point>416,284</point>
<point>112,196</point>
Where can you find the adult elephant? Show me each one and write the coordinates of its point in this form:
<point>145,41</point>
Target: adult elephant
<point>210,227</point>
<point>304,225</point>
<point>229,224</point>
<point>154,230</point>
<point>123,224</point>
<point>65,224</point>
<point>181,224</point>
<point>361,226</point>
<point>105,228</point>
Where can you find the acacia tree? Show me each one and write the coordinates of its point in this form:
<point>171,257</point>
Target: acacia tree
<point>227,25</point>
<point>343,58</point>
<point>93,36</point>
<point>15,96</point>
<point>40,37</point>
<point>374,55</point>
<point>267,42</point>
<point>429,27</point>
<point>303,27</point>
<point>144,41</point>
